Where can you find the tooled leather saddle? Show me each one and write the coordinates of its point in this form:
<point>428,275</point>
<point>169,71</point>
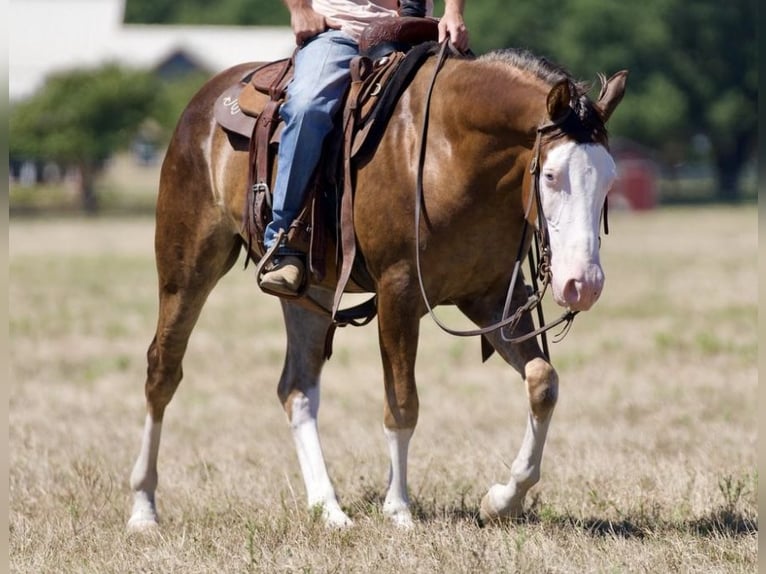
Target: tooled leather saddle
<point>391,51</point>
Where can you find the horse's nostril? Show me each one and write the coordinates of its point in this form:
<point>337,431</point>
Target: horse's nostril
<point>580,295</point>
<point>571,291</point>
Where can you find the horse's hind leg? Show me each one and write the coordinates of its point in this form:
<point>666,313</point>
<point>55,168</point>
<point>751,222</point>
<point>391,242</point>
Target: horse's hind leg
<point>193,251</point>
<point>507,500</point>
<point>299,393</point>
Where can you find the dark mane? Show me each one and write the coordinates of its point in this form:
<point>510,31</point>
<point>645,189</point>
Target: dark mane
<point>521,59</point>
<point>585,125</point>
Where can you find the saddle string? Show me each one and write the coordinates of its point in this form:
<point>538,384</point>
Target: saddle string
<point>542,268</point>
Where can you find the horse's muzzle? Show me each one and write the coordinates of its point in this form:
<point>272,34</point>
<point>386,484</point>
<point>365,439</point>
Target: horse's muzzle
<point>579,291</point>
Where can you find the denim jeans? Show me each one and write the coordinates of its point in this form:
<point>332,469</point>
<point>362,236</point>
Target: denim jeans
<point>313,97</point>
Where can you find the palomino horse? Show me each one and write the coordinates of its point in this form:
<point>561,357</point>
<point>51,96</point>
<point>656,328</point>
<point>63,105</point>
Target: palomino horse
<point>491,119</point>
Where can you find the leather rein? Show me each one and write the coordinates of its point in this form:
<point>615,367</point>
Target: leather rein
<point>539,263</point>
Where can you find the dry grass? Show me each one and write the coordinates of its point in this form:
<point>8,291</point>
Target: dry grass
<point>650,464</point>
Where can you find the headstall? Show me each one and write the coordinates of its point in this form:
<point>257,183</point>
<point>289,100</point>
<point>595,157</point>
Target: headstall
<point>539,261</point>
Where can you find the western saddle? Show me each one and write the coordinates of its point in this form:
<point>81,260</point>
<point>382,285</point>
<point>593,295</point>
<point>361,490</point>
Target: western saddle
<point>391,51</point>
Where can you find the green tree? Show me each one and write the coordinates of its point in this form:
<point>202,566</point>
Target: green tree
<point>693,65</point>
<point>173,99</point>
<point>80,117</point>
<point>714,61</point>
<point>222,12</point>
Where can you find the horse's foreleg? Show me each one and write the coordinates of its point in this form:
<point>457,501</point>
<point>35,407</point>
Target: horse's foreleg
<point>398,327</point>
<point>299,393</point>
<point>188,268</point>
<point>397,503</point>
<point>507,500</point>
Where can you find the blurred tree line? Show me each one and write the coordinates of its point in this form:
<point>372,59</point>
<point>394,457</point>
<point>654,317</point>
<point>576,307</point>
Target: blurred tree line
<point>221,12</point>
<point>694,65</point>
<point>81,117</point>
<point>692,92</point>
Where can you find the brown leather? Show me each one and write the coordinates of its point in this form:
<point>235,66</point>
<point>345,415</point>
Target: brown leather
<point>229,114</point>
<point>259,96</point>
<point>347,232</point>
<point>367,84</point>
<point>270,76</point>
<point>237,108</point>
<point>398,30</point>
<point>256,215</point>
<point>307,232</point>
<point>369,95</point>
<point>251,101</point>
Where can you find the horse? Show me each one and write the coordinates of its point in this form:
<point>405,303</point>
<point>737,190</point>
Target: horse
<point>514,146</point>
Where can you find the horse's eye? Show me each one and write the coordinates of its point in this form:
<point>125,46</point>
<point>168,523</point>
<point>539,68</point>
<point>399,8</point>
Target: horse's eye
<point>549,177</point>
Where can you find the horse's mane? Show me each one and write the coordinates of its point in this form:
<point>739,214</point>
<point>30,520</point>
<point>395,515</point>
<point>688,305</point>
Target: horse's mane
<point>586,124</point>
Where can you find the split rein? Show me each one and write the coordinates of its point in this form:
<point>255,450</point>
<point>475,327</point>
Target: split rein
<point>539,261</point>
<point>539,269</point>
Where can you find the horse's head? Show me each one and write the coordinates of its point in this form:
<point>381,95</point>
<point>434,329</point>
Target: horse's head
<point>573,171</point>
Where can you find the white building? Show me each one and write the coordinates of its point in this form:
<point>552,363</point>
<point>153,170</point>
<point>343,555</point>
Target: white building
<point>55,35</point>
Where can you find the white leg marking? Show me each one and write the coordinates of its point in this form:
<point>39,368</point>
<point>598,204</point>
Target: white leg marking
<point>143,479</point>
<point>319,489</point>
<point>397,503</point>
<point>507,500</point>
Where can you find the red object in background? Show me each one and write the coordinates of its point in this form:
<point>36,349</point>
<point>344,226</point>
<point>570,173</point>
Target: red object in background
<point>636,185</point>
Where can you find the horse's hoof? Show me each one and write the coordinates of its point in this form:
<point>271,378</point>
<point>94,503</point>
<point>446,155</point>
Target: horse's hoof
<point>403,521</point>
<point>487,513</point>
<point>495,506</point>
<point>142,525</point>
<point>400,516</point>
<point>336,519</point>
<point>144,517</point>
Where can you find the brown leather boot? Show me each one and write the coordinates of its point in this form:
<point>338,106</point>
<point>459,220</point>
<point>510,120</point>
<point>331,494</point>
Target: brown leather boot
<point>286,276</point>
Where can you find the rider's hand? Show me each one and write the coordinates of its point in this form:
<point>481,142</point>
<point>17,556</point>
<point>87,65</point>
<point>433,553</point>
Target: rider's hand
<point>306,23</point>
<point>453,25</point>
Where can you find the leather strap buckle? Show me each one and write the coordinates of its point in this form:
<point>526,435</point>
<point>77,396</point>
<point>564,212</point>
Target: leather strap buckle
<point>263,187</point>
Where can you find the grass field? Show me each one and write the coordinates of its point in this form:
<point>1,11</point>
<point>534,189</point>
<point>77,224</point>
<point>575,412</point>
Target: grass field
<point>650,464</point>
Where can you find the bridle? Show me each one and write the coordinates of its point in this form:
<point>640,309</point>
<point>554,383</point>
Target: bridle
<point>539,261</point>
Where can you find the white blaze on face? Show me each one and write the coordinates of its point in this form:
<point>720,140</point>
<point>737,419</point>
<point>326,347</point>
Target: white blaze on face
<point>574,181</point>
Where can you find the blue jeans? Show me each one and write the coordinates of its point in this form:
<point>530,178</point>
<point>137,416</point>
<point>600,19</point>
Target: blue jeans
<point>313,97</point>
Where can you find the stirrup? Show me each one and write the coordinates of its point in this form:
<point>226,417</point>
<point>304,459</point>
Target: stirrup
<point>267,260</point>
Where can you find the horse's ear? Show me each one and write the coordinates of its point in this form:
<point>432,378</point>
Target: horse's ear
<point>611,94</point>
<point>559,100</point>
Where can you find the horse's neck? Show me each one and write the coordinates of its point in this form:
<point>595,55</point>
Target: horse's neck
<point>486,120</point>
<point>491,99</point>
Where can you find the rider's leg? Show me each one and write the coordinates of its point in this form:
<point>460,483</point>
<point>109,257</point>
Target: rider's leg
<point>313,97</point>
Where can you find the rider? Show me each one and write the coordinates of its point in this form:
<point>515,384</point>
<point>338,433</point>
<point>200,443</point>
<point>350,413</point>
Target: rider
<point>327,32</point>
